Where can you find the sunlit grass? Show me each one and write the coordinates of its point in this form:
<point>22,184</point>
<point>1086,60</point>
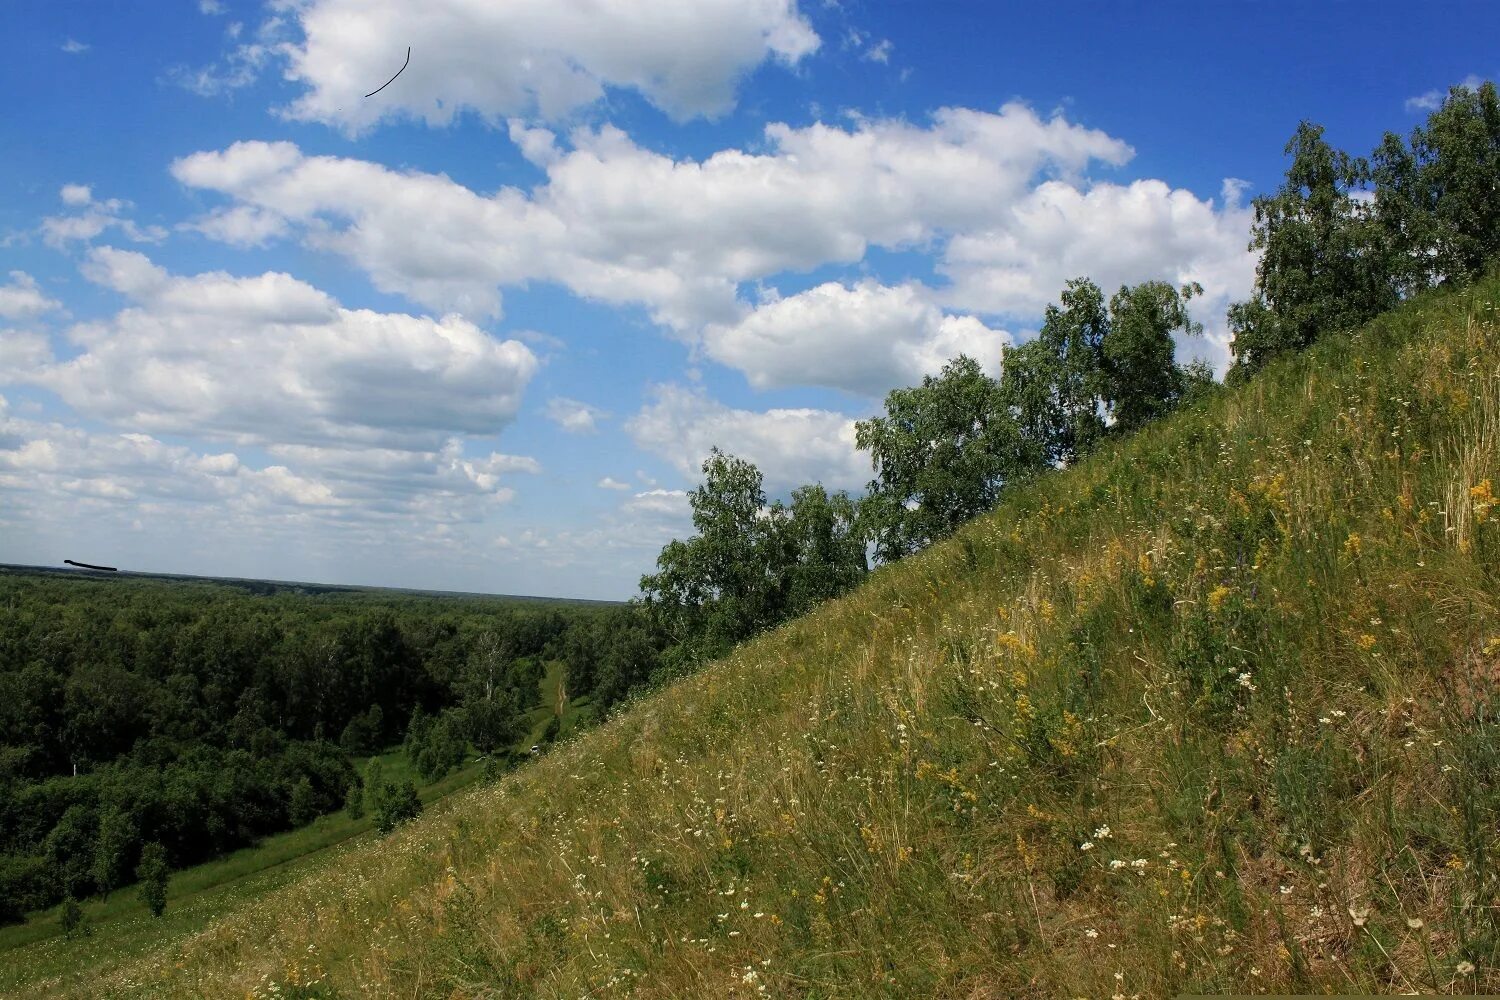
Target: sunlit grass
<point>1212,711</point>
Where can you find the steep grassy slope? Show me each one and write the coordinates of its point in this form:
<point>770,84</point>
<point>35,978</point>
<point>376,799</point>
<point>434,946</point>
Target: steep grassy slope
<point>1212,710</point>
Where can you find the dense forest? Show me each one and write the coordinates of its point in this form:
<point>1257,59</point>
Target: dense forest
<point>199,717</point>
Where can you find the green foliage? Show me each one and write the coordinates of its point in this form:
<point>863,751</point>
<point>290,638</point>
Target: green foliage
<point>395,803</point>
<point>1435,197</point>
<point>1324,265</point>
<point>946,449</point>
<point>1142,381</point>
<point>114,849</point>
<point>365,733</point>
<point>193,714</point>
<point>71,919</point>
<point>354,801</point>
<point>609,655</point>
<point>441,749</point>
<point>719,586</point>
<point>302,808</point>
<point>1344,238</point>
<point>941,454</point>
<point>823,549</point>
<point>152,874</point>
<point>750,565</point>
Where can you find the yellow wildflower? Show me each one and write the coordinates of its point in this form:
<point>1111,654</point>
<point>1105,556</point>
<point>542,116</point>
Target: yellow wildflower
<point>1484,500</point>
<point>1218,596</point>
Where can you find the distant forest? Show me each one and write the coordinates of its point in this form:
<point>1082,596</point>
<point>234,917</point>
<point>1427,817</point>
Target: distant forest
<point>200,717</point>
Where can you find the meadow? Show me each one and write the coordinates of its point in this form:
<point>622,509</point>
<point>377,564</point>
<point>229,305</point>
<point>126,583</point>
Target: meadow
<point>1213,710</point>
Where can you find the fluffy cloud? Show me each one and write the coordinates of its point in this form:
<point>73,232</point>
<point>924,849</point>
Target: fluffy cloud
<point>90,217</point>
<point>22,354</point>
<point>1001,202</point>
<point>22,298</point>
<point>1115,234</point>
<point>573,416</point>
<point>526,56</point>
<point>664,503</point>
<point>388,480</point>
<point>865,338</point>
<point>625,225</point>
<point>789,446</point>
<point>59,464</point>
<point>611,483</point>
<point>270,359</point>
<point>59,472</point>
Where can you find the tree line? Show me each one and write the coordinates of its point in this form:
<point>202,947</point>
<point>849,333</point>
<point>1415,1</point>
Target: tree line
<point>1342,240</point>
<point>139,717</point>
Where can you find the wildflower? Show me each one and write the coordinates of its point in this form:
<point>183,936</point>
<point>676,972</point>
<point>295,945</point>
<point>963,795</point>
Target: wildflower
<point>1117,864</point>
<point>1247,681</point>
<point>1087,845</point>
<point>1102,833</point>
<point>1091,933</point>
<point>1366,641</point>
<point>1354,545</point>
<point>1360,915</point>
<point>1217,597</point>
<point>1414,923</point>
<point>1464,968</point>
<point>1484,500</point>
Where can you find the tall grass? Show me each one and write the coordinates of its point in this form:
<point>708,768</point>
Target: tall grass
<point>1214,710</point>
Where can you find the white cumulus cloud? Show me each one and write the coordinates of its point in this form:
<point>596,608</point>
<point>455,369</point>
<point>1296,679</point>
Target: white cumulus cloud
<point>23,298</point>
<point>531,56</point>
<point>573,416</point>
<point>791,447</point>
<point>270,359</point>
<point>864,338</point>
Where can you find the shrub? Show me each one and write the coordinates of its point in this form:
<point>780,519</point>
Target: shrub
<point>152,873</point>
<point>395,804</point>
<point>71,919</point>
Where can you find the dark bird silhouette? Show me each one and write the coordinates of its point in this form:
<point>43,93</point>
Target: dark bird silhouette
<point>107,569</point>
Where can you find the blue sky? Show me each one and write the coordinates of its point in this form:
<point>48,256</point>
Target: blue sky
<point>476,332</point>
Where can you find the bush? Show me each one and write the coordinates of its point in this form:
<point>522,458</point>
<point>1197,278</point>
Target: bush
<point>152,873</point>
<point>443,747</point>
<point>395,804</point>
<point>71,919</point>
<point>303,808</point>
<point>354,802</point>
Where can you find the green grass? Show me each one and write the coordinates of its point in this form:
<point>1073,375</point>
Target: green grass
<point>1213,711</point>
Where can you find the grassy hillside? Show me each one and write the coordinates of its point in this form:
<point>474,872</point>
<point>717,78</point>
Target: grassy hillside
<point>1212,710</point>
